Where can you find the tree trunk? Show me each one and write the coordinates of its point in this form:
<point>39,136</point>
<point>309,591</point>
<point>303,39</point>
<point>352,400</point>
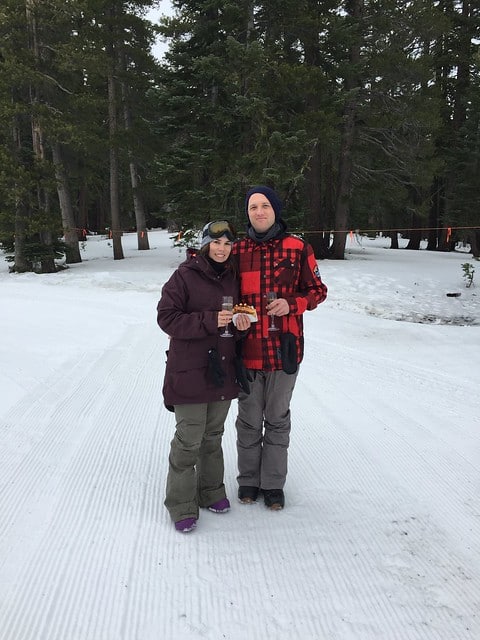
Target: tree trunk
<point>83,222</point>
<point>344,181</point>
<point>20,262</point>
<point>47,262</point>
<point>114,176</point>
<point>138,203</point>
<point>436,212</point>
<point>456,61</point>
<point>394,239</point>
<point>352,87</point>
<point>415,234</point>
<point>142,232</point>
<point>68,217</point>
<point>475,244</point>
<point>316,221</point>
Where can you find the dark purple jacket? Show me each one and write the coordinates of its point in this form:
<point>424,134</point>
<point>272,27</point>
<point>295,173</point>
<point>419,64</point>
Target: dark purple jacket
<point>187,312</point>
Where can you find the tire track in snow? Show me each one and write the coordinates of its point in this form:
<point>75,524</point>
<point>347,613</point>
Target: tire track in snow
<point>413,429</point>
<point>41,442</point>
<point>98,496</point>
<point>374,471</point>
<point>382,540</point>
<point>397,387</point>
<point>355,556</point>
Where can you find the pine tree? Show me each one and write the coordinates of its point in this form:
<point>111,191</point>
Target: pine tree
<point>54,91</point>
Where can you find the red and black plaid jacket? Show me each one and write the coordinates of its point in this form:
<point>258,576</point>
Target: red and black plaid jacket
<point>286,265</point>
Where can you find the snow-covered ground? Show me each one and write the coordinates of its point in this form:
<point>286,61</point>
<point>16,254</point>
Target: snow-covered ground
<point>380,537</point>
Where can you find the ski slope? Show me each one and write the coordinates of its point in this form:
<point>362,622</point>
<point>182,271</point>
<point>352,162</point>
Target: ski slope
<point>380,537</point>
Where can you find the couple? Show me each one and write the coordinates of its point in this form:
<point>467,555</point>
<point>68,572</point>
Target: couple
<point>203,374</point>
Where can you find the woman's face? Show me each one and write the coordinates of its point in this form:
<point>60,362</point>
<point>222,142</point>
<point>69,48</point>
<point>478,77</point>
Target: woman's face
<point>219,249</point>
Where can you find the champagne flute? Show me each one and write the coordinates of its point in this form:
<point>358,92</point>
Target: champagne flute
<point>271,296</point>
<point>227,305</point>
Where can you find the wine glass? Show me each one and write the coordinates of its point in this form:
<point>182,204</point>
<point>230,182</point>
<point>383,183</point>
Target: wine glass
<point>271,296</point>
<point>227,305</point>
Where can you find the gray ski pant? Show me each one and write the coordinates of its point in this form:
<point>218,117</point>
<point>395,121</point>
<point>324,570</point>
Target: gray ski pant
<point>263,429</point>
<point>196,468</point>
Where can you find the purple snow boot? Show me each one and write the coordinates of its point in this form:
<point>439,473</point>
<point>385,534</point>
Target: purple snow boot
<point>222,506</point>
<point>186,525</point>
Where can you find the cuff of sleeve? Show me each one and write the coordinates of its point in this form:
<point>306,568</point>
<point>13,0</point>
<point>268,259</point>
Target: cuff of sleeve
<point>211,322</point>
<point>297,306</point>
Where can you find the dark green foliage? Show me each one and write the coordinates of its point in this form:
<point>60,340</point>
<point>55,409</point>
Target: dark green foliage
<point>256,93</point>
<point>362,114</point>
<point>54,83</point>
<point>36,251</point>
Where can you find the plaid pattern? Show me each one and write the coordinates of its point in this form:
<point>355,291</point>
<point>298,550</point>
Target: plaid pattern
<point>286,265</point>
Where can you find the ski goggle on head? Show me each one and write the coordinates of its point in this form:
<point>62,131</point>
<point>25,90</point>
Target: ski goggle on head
<point>217,229</point>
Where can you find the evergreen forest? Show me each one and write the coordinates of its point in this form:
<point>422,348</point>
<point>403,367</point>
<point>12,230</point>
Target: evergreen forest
<point>364,115</point>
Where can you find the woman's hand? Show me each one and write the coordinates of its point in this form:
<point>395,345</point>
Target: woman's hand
<point>224,318</point>
<point>243,321</point>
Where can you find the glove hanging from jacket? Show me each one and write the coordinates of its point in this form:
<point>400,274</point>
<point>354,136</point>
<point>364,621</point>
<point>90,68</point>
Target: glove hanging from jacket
<point>241,372</point>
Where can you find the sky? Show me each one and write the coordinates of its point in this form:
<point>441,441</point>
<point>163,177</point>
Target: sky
<point>380,535</point>
<point>164,8</point>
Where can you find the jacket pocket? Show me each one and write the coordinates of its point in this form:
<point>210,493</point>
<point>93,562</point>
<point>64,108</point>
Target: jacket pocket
<point>216,373</point>
<point>285,273</point>
<point>250,282</point>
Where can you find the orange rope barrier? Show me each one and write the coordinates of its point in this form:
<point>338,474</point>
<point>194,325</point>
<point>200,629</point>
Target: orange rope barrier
<point>385,230</point>
<point>388,230</point>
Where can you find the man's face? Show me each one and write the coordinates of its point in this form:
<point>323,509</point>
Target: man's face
<point>260,212</point>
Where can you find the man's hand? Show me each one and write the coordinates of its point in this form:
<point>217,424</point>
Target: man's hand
<point>278,307</point>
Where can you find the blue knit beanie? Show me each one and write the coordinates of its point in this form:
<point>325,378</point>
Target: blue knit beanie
<point>274,200</point>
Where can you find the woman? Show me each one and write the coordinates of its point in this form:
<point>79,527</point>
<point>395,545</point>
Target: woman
<point>199,380</point>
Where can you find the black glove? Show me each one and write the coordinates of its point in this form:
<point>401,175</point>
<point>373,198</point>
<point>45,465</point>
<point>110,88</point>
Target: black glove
<point>288,346</point>
<point>242,375</point>
<point>216,372</point>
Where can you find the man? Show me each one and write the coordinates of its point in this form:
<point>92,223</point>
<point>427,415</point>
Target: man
<point>271,260</point>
